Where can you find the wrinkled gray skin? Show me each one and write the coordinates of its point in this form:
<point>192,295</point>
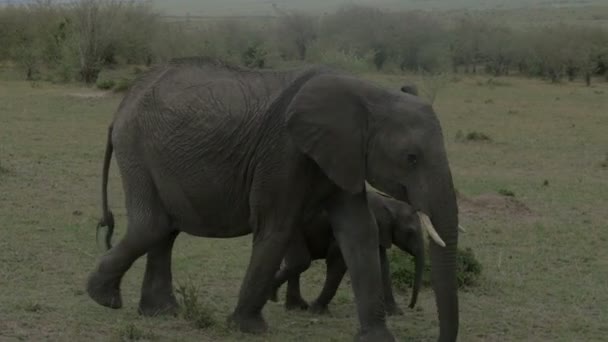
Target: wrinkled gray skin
<point>217,151</point>
<point>398,225</point>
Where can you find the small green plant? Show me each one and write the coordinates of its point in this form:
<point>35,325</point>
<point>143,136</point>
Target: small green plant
<point>105,84</point>
<point>33,307</point>
<point>137,70</point>
<point>130,332</point>
<point>123,85</point>
<point>472,136</point>
<point>603,163</point>
<point>3,170</point>
<point>255,56</point>
<point>477,136</point>
<point>506,192</point>
<point>191,308</point>
<point>468,268</point>
<point>402,267</point>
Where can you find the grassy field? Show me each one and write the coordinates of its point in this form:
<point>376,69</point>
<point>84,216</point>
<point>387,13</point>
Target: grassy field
<point>543,250</point>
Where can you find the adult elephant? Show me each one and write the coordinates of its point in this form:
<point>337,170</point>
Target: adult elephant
<point>218,151</point>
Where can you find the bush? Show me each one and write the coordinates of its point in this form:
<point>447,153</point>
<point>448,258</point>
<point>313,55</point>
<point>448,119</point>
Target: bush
<point>105,84</point>
<point>123,85</point>
<point>130,332</point>
<point>254,56</point>
<point>192,309</point>
<point>506,192</point>
<point>68,40</point>
<point>402,267</point>
<point>603,163</point>
<point>472,136</point>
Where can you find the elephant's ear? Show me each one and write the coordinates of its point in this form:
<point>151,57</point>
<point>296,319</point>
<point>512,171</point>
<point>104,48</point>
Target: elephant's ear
<point>380,205</point>
<point>387,223</point>
<point>327,120</point>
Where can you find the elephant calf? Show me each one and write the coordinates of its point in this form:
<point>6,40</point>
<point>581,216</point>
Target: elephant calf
<point>398,224</point>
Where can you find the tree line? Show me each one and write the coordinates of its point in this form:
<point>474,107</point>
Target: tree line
<point>75,41</point>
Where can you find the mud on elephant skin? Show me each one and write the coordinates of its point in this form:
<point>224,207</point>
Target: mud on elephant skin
<point>397,224</point>
<point>214,150</point>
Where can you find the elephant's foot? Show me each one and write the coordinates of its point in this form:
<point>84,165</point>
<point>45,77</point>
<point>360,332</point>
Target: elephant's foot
<point>296,304</point>
<point>104,291</point>
<point>393,310</point>
<point>150,305</point>
<point>253,324</point>
<point>318,309</point>
<point>380,334</point>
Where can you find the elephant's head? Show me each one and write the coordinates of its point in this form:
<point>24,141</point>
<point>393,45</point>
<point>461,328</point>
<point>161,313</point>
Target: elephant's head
<point>399,225</point>
<point>408,236</point>
<point>356,131</point>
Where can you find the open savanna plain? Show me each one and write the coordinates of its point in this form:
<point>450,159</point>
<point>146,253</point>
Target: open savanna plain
<point>529,159</point>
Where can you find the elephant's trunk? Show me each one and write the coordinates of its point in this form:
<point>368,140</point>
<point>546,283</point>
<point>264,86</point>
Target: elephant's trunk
<point>444,216</point>
<point>420,262</point>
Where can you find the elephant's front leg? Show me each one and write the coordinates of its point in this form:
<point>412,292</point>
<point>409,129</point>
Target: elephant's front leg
<point>270,241</point>
<point>390,304</point>
<point>357,235</point>
<point>157,290</point>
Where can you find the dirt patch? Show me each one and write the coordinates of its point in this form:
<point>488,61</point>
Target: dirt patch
<point>492,204</point>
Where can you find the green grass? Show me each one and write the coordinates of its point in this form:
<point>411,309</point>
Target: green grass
<point>543,277</point>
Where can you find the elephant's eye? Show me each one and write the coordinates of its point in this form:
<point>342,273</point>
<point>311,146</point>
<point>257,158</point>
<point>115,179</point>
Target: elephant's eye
<point>412,159</point>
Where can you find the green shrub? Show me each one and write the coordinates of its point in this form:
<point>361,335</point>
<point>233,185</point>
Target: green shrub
<point>191,308</point>
<point>130,332</point>
<point>105,84</point>
<point>402,267</point>
<point>468,268</point>
<point>123,85</point>
<point>255,56</point>
<point>3,170</point>
<point>604,163</point>
<point>506,192</point>
<point>472,136</point>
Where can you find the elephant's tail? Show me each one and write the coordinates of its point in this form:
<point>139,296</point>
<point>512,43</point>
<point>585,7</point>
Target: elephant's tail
<point>107,218</point>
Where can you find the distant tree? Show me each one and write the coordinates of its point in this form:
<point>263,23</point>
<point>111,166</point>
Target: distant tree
<point>298,29</point>
<point>466,41</point>
<point>104,27</point>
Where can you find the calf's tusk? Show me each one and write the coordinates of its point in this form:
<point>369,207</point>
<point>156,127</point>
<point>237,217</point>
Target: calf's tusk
<point>461,229</point>
<point>428,226</point>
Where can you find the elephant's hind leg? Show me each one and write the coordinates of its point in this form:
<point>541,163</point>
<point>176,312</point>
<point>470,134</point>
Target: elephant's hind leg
<point>157,297</point>
<point>148,225</point>
<point>297,261</point>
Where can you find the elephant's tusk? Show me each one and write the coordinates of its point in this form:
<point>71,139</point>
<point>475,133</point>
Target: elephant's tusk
<point>428,226</point>
<point>461,229</point>
<point>369,187</point>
